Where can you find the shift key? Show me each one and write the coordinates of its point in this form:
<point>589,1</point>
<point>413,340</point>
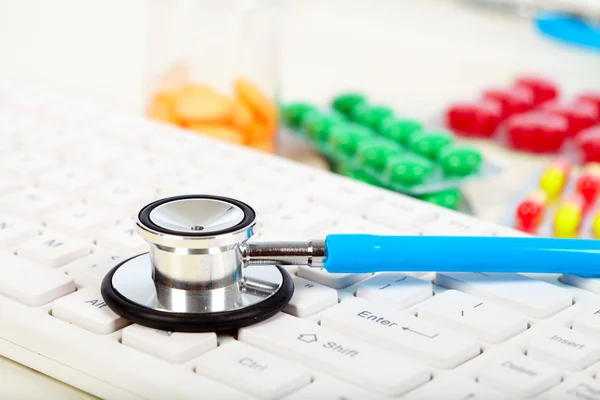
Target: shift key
<point>360,363</point>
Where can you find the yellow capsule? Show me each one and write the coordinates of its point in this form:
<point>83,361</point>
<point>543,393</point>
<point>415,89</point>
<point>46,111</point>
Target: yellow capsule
<point>568,218</point>
<point>554,177</point>
<point>596,226</point>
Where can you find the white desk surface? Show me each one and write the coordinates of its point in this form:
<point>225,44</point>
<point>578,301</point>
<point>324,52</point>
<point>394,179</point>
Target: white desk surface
<point>416,56</point>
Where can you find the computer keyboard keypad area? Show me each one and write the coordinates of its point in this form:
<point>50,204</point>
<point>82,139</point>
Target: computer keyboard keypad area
<point>73,175</point>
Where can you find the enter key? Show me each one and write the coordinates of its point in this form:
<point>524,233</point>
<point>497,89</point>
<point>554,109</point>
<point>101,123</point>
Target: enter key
<point>400,331</point>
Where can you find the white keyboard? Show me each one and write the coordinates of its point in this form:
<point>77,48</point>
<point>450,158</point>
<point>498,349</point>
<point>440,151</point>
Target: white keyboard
<point>73,175</point>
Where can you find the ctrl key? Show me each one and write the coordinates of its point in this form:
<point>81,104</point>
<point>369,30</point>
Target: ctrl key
<point>86,309</point>
<point>252,370</point>
<point>519,375</point>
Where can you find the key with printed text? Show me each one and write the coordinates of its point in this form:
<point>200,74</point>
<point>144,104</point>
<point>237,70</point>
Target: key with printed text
<point>310,298</point>
<point>535,298</point>
<point>53,249</point>
<point>86,309</point>
<point>519,375</point>
<point>249,369</point>
<point>402,332</point>
<point>565,348</point>
<point>352,360</point>
<point>394,290</point>
<point>461,311</point>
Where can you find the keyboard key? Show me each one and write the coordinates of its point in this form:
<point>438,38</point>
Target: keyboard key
<point>175,347</point>
<point>358,362</point>
<point>575,389</point>
<point>355,225</point>
<point>518,375</point>
<point>80,220</point>
<point>301,218</point>
<point>535,298</point>
<point>588,322</point>
<point>143,169</point>
<point>336,281</point>
<point>394,290</point>
<point>91,269</point>
<point>325,387</point>
<point>120,197</point>
<point>343,195</point>
<point>249,369</point>
<point>565,348</point>
<point>31,284</point>
<point>401,214</point>
<point>461,311</point>
<point>14,230</point>
<point>30,203</point>
<point>53,249</point>
<point>86,309</point>
<point>457,389</point>
<point>453,225</point>
<point>69,180</point>
<point>310,298</point>
<point>7,185</point>
<point>26,165</point>
<point>122,239</point>
<point>94,153</point>
<point>402,332</point>
<point>589,283</point>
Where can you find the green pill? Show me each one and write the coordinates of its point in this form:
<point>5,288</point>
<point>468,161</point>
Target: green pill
<point>370,116</point>
<point>451,198</point>
<point>429,144</point>
<point>398,129</point>
<point>375,153</point>
<point>317,126</point>
<point>345,103</point>
<point>408,169</point>
<point>293,113</point>
<point>460,161</point>
<point>345,138</point>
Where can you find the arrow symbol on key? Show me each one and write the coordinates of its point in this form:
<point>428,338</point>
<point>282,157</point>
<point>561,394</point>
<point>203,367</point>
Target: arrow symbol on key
<point>308,338</point>
<point>406,328</point>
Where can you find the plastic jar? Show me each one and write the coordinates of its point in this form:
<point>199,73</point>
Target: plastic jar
<point>213,68</point>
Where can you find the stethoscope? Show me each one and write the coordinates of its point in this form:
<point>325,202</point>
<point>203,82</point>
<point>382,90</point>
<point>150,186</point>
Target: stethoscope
<point>203,274</point>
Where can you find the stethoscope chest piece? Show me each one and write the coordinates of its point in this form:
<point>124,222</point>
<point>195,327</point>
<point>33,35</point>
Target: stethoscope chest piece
<point>194,278</point>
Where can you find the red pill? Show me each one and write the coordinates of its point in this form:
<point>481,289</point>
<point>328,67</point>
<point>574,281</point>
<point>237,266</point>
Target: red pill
<point>537,131</point>
<point>513,101</point>
<point>530,211</point>
<point>543,89</point>
<point>588,183</point>
<point>592,98</point>
<point>579,115</point>
<point>588,143</point>
<point>479,119</point>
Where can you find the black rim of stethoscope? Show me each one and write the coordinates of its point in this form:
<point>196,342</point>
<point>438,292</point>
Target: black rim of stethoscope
<point>195,322</point>
<point>249,215</point>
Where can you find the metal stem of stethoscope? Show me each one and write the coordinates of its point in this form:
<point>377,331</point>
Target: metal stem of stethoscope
<point>202,272</point>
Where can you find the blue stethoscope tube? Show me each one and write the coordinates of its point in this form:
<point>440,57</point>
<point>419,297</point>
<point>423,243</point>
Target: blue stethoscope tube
<point>568,29</point>
<point>371,253</point>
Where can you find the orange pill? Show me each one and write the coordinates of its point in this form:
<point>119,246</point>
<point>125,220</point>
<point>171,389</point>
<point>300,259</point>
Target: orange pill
<point>227,133</point>
<point>241,115</point>
<point>202,106</point>
<point>256,99</point>
<point>162,111</point>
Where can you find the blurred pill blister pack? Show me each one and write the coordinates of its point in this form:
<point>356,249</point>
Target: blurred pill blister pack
<point>561,200</point>
<point>530,115</point>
